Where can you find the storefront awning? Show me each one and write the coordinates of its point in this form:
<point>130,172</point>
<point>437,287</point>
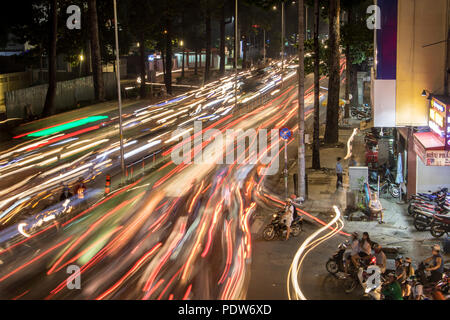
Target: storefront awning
<point>430,149</point>
<point>429,140</point>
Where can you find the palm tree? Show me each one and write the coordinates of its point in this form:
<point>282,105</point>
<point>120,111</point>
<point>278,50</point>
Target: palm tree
<point>49,105</point>
<point>97,72</point>
<point>332,125</point>
<point>316,132</point>
<point>301,101</point>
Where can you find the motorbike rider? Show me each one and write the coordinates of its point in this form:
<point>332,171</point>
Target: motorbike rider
<point>414,289</point>
<point>392,289</point>
<point>380,258</point>
<point>288,216</point>
<point>436,264</point>
<point>365,249</point>
<point>355,250</point>
<point>400,273</point>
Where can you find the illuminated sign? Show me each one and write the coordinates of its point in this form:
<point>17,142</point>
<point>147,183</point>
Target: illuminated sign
<point>438,106</point>
<point>151,57</point>
<point>439,121</point>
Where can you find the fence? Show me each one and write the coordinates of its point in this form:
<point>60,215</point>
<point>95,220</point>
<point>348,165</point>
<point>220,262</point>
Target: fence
<point>68,94</point>
<point>12,81</point>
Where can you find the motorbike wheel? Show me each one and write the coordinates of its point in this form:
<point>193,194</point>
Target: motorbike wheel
<point>420,224</point>
<point>349,285</point>
<point>332,266</point>
<point>269,233</point>
<point>295,230</point>
<point>394,191</point>
<point>437,230</point>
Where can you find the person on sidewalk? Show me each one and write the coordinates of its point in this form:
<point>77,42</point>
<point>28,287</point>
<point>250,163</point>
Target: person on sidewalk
<point>339,172</point>
<point>352,162</point>
<point>375,207</point>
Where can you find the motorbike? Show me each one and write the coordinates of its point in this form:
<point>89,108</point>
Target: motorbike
<point>277,229</point>
<point>352,281</point>
<point>337,262</point>
<point>440,225</point>
<point>423,217</point>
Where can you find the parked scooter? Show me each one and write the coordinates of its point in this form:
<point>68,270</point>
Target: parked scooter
<point>440,225</point>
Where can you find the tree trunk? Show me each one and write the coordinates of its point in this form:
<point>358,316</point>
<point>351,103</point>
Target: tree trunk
<point>301,101</point>
<point>97,72</point>
<point>332,124</point>
<point>353,73</point>
<point>49,105</point>
<point>196,62</point>
<point>168,74</point>
<point>316,133</point>
<point>222,41</point>
<point>182,64</point>
<point>142,91</point>
<point>208,41</point>
<point>347,82</point>
<point>244,52</point>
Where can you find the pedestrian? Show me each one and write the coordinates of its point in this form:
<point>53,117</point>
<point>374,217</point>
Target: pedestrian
<point>339,172</point>
<point>66,194</point>
<point>352,162</point>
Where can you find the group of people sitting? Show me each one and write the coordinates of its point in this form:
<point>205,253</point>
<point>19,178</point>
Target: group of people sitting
<point>401,283</point>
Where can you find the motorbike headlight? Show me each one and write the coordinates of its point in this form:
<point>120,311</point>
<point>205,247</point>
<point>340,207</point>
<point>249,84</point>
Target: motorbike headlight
<point>274,215</point>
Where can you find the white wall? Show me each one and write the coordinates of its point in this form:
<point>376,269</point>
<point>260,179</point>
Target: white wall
<point>431,178</point>
<point>384,103</point>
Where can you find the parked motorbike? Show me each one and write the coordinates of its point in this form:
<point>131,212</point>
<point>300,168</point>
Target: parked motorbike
<point>423,217</point>
<point>440,225</point>
<point>277,229</point>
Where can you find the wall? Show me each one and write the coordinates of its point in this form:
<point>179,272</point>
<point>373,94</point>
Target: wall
<point>68,94</point>
<point>12,81</point>
<point>431,178</point>
<point>419,23</point>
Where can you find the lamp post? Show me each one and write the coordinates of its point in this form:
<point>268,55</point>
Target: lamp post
<point>119,98</point>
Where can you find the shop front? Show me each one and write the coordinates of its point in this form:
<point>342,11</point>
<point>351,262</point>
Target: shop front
<point>433,148</point>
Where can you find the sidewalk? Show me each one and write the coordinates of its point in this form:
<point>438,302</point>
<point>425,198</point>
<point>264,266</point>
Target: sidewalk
<point>398,230</point>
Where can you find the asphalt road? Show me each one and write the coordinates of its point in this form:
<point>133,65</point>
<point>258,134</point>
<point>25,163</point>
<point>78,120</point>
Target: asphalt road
<point>173,231</point>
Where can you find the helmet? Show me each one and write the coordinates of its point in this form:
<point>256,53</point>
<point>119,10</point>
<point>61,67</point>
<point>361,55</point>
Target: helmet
<point>355,234</point>
<point>399,259</point>
<point>436,247</point>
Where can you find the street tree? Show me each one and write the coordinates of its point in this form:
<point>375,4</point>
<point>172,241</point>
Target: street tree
<point>332,119</point>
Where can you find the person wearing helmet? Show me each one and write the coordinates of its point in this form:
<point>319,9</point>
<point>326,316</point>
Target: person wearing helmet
<point>392,289</point>
<point>436,263</point>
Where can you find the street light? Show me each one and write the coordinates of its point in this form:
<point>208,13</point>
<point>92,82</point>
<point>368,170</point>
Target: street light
<point>119,98</point>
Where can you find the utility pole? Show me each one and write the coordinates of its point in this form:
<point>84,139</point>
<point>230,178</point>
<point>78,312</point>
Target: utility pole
<point>236,50</point>
<point>264,48</point>
<point>282,41</point>
<point>119,98</point>
<point>301,102</point>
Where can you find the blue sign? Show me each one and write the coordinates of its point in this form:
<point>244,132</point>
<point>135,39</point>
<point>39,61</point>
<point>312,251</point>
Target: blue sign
<point>285,133</point>
<point>151,57</point>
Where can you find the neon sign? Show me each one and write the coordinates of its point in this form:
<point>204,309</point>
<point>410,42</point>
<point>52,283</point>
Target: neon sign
<point>438,106</point>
